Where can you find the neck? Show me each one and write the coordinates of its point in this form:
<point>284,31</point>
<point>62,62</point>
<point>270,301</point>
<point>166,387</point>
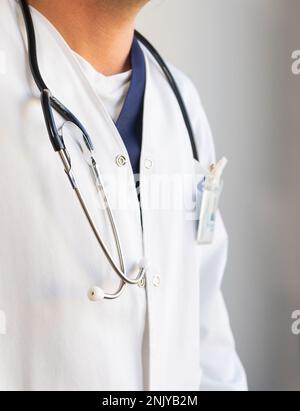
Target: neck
<point>101,31</point>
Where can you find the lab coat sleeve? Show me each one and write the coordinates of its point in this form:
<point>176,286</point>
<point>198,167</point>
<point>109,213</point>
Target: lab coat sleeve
<point>220,365</point>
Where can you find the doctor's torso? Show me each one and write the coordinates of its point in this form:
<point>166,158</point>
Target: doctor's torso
<point>55,337</point>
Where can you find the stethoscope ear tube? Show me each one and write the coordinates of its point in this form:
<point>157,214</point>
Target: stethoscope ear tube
<point>55,138</point>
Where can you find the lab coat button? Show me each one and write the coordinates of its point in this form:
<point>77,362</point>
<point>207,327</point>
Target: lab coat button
<point>148,164</point>
<point>142,283</point>
<point>156,281</point>
<point>121,160</point>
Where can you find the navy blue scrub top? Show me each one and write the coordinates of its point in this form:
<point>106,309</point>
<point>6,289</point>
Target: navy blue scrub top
<point>130,121</point>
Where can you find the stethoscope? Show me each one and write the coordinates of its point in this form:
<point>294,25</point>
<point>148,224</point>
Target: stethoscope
<point>50,103</point>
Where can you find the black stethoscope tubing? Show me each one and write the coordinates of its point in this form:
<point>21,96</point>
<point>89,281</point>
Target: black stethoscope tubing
<point>49,102</point>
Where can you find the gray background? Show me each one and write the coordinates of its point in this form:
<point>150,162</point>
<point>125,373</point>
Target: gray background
<point>238,53</point>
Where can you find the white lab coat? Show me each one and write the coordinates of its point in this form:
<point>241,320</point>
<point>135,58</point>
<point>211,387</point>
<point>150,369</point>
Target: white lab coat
<point>174,335</point>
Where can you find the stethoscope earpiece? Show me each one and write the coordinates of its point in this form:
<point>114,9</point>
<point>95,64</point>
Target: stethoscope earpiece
<point>96,294</point>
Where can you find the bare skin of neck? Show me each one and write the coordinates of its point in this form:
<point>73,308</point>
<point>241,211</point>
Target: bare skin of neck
<point>101,31</point>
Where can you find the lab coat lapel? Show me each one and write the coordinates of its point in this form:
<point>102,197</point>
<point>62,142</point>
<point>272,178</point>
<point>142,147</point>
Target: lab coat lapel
<point>164,133</point>
<point>67,82</point>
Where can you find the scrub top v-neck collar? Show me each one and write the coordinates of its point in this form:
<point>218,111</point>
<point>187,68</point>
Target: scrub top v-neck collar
<point>130,121</point>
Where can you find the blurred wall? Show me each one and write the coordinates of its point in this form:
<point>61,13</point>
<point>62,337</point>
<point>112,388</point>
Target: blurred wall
<point>238,53</point>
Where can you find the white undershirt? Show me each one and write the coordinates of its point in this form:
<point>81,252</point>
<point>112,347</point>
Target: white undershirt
<point>112,90</point>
